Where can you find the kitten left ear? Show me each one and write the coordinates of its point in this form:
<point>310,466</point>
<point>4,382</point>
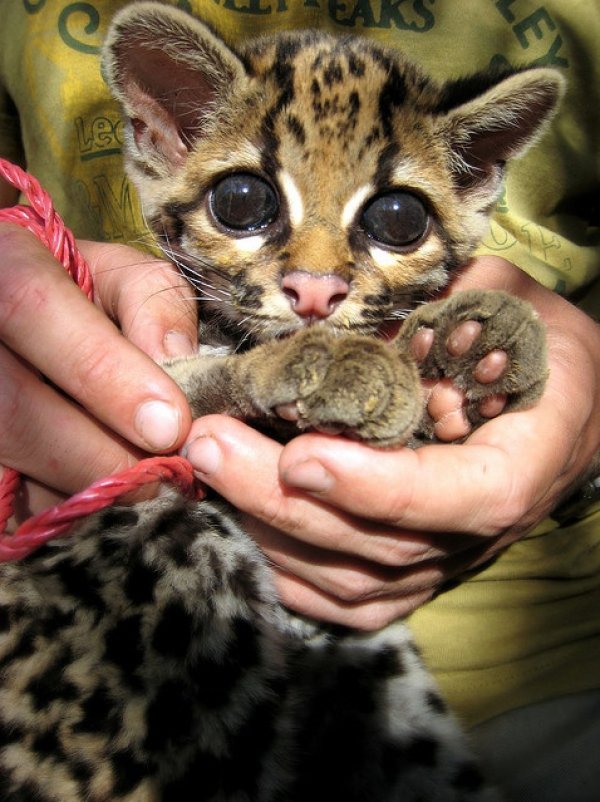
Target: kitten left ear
<point>167,70</point>
<point>496,124</point>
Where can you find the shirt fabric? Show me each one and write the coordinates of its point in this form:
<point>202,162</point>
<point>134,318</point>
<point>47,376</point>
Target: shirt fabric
<point>527,627</point>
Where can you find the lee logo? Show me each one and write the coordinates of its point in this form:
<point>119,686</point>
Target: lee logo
<point>99,137</point>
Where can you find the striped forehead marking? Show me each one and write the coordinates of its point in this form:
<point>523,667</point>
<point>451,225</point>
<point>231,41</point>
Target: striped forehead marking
<point>293,197</point>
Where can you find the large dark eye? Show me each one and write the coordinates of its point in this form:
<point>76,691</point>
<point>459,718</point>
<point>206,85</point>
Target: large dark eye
<point>395,218</point>
<point>244,202</point>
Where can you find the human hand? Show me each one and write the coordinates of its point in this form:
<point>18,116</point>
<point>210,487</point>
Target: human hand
<point>361,536</point>
<point>79,400</point>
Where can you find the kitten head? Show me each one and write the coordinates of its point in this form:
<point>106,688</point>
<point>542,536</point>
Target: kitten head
<point>304,178</point>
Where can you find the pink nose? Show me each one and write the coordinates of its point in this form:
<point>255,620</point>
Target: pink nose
<point>314,295</point>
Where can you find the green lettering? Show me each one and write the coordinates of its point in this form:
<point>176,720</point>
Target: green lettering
<point>74,42</point>
<point>425,14</point>
<point>390,14</point>
<point>362,10</point>
<point>253,6</point>
<point>499,62</point>
<point>102,132</point>
<point>502,202</point>
<point>114,211</point>
<point>497,238</point>
<point>503,7</point>
<point>334,8</point>
<point>33,7</point>
<point>101,137</point>
<point>230,5</point>
<point>532,22</point>
<point>539,244</point>
<point>86,143</point>
<point>552,58</point>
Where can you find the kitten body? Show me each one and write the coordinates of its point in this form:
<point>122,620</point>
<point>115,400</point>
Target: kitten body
<point>315,190</point>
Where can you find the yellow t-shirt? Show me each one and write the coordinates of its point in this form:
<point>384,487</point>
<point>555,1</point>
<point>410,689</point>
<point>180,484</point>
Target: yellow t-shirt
<point>528,627</point>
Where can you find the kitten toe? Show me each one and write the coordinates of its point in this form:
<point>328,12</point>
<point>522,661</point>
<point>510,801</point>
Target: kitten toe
<point>488,343</point>
<point>371,392</point>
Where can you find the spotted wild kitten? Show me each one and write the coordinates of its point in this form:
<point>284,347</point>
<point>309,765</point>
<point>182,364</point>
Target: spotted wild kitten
<point>316,191</point>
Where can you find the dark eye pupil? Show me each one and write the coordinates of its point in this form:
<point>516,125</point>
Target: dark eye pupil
<point>244,202</point>
<point>395,218</point>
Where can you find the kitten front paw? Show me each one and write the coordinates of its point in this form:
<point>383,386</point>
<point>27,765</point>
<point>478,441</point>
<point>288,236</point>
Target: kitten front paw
<point>354,385</point>
<point>506,324</point>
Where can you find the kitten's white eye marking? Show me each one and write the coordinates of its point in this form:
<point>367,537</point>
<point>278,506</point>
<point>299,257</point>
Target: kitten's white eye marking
<point>249,244</point>
<point>352,206</point>
<point>383,259</point>
<point>293,197</point>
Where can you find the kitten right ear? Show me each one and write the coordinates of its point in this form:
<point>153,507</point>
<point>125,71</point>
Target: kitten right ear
<point>167,70</point>
<point>489,119</point>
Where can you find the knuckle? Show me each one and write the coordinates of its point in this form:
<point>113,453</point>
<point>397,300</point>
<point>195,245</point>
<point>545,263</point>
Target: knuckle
<point>19,298</point>
<point>13,427</point>
<point>92,369</point>
<point>398,552</point>
<point>506,515</point>
<point>353,587</point>
<point>16,413</point>
<point>376,617</point>
<point>271,510</point>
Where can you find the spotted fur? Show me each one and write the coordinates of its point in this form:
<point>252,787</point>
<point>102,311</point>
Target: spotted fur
<point>146,657</point>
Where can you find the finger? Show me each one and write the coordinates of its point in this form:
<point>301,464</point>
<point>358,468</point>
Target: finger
<point>492,406</point>
<point>305,599</point>
<point>440,488</point>
<point>335,600</point>
<point>243,467</point>
<point>327,586</point>
<point>50,439</point>
<point>445,405</point>
<point>347,578</point>
<point>74,345</point>
<point>31,498</point>
<point>153,304</point>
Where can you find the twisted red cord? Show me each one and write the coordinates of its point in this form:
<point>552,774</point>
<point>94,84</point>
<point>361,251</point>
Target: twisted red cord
<point>41,219</point>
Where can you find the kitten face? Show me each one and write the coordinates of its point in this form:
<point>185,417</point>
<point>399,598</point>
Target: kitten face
<point>308,179</point>
<point>319,187</point>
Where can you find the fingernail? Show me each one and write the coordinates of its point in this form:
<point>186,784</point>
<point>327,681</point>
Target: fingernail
<point>204,454</point>
<point>158,424</point>
<point>309,475</point>
<point>176,343</point>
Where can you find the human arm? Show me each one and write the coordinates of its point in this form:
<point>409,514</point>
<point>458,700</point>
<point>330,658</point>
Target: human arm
<point>73,406</point>
<point>360,536</point>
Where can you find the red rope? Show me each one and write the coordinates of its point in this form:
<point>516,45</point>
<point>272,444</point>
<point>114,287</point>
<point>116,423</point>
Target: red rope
<point>42,220</point>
